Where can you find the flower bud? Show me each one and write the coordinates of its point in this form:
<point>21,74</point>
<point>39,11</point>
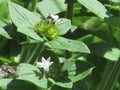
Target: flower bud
<point>47,30</point>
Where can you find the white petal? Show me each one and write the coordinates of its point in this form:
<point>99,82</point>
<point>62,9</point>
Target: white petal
<point>51,63</point>
<point>48,60</point>
<point>43,59</point>
<point>39,63</point>
<point>45,64</point>
<point>55,17</point>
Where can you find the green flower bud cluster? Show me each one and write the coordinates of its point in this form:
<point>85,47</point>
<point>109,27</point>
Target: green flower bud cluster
<point>47,30</point>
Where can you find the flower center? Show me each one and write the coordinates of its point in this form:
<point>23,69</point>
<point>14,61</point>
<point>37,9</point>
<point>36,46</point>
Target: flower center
<point>46,30</point>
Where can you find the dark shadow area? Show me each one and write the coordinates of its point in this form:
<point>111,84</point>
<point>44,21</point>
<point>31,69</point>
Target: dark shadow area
<point>11,29</point>
<point>100,48</point>
<point>82,66</point>
<point>20,85</point>
<point>77,33</point>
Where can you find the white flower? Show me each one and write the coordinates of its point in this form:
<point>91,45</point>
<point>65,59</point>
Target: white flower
<point>52,18</point>
<point>45,63</point>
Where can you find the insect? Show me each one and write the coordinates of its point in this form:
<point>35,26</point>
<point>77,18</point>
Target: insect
<point>7,71</point>
<point>52,18</point>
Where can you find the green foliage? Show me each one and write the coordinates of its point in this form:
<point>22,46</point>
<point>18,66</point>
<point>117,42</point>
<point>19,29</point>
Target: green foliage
<point>4,33</point>
<point>81,48</point>
<point>67,44</point>
<point>53,6</point>
<point>21,16</point>
<point>95,6</point>
<point>63,26</point>
<point>106,51</point>
<point>77,70</point>
<point>31,74</point>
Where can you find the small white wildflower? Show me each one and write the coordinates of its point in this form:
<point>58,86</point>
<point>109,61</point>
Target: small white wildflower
<point>45,63</point>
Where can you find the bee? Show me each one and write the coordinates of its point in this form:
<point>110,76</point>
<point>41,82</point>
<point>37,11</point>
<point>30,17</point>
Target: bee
<point>7,71</point>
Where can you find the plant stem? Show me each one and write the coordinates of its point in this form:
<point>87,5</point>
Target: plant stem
<point>107,71</point>
<point>69,11</point>
<point>34,3</point>
<point>69,15</point>
<point>25,53</point>
<point>35,53</point>
<point>113,76</point>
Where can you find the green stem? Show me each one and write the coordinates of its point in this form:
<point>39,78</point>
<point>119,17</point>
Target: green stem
<point>36,53</point>
<point>107,71</point>
<point>69,11</point>
<point>25,53</point>
<point>113,76</point>
<point>34,3</point>
<point>69,15</point>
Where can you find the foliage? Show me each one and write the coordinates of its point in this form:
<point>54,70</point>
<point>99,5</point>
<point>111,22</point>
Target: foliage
<point>83,44</point>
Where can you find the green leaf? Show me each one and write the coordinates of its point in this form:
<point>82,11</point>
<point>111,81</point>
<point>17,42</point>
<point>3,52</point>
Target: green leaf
<point>105,50</point>
<point>95,6</point>
<point>115,1</point>
<point>77,70</point>
<point>4,83</point>
<point>67,44</point>
<point>64,84</point>
<point>92,24</point>
<point>21,16</point>
<point>9,84</point>
<point>113,7</point>
<point>4,59</point>
<point>31,74</point>
<point>29,32</point>
<point>113,22</point>
<point>5,22</point>
<point>63,26</point>
<point>47,7</point>
<point>4,33</point>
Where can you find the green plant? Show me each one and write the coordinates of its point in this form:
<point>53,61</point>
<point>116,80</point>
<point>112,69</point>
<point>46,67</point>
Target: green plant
<point>78,51</point>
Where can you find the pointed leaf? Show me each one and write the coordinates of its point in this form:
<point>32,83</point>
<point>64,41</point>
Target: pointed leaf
<point>10,84</point>
<point>21,16</point>
<point>77,70</point>
<point>67,44</point>
<point>7,60</point>
<point>29,32</point>
<point>31,74</point>
<point>95,6</point>
<point>64,84</point>
<point>47,7</point>
<point>63,26</point>
<point>4,33</point>
<point>105,50</point>
<point>4,83</point>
